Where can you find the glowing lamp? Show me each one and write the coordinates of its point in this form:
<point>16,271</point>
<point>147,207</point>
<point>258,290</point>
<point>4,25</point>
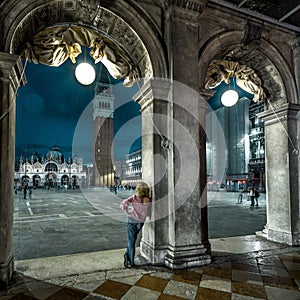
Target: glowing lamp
<point>85,73</point>
<point>229,98</point>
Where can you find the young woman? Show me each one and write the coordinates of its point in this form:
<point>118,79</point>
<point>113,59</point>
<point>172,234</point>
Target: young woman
<point>137,208</point>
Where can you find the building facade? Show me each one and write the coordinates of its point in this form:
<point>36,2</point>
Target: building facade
<point>257,147</point>
<point>234,124</point>
<point>132,168</point>
<point>244,139</point>
<point>51,170</point>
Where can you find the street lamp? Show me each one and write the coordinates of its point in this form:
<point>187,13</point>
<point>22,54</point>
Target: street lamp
<point>230,97</point>
<point>85,73</point>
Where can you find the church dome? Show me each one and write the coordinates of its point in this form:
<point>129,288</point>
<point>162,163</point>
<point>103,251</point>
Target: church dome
<point>55,154</point>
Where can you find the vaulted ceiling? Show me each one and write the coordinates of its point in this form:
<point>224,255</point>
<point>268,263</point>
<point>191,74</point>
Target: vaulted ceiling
<point>286,12</point>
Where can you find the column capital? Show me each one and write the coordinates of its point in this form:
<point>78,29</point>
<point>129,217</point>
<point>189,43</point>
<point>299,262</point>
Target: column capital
<point>151,89</point>
<point>11,69</point>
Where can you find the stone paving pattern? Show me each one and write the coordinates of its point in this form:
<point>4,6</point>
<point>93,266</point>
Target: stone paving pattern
<point>61,222</point>
<point>272,274</point>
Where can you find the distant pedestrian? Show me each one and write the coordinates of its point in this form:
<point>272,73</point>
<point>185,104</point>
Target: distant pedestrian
<point>137,208</point>
<point>256,196</point>
<point>252,195</point>
<point>25,190</point>
<point>241,196</point>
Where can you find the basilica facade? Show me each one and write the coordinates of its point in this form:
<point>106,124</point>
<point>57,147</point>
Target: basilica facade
<point>51,170</point>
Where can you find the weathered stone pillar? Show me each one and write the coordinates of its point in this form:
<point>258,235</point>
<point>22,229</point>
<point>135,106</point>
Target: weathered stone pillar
<point>282,173</point>
<point>155,159</point>
<point>174,160</point>
<point>10,74</point>
<point>296,54</point>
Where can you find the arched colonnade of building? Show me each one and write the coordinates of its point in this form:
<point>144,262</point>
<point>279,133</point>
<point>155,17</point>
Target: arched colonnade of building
<point>174,41</point>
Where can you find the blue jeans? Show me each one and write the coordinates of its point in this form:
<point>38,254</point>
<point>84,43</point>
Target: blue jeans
<point>133,229</point>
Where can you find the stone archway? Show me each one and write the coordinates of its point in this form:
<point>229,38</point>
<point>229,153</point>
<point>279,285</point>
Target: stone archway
<point>280,117</point>
<point>21,22</point>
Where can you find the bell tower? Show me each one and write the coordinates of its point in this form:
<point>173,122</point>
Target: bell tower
<point>103,119</point>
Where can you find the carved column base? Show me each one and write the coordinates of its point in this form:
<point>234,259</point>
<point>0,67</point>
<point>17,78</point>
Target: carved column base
<point>187,256</point>
<point>155,255</point>
<point>6,271</point>
<point>291,239</point>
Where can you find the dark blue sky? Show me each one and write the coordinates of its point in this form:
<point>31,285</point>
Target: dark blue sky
<point>51,103</point>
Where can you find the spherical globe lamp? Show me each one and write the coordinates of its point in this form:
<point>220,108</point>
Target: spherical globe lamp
<point>85,73</point>
<point>229,98</point>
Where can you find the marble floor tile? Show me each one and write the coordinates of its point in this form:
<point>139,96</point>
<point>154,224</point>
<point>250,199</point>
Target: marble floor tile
<point>169,297</point>
<point>283,282</point>
<point>130,279</point>
<point>243,297</point>
<point>216,283</point>
<point>291,265</point>
<point>187,277</point>
<point>152,283</point>
<point>295,274</point>
<point>112,289</point>
<point>273,271</point>
<point>245,267</point>
<point>209,294</point>
<point>138,293</point>
<point>180,289</point>
<point>270,261</point>
<point>223,273</point>
<point>68,294</point>
<point>248,289</point>
<point>247,277</point>
<point>281,294</point>
<point>293,257</point>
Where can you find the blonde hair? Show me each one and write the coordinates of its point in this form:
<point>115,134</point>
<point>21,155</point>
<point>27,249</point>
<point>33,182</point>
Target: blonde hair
<point>142,190</point>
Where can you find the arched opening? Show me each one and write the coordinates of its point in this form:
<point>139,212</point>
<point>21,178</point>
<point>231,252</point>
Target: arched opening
<point>138,54</point>
<point>36,181</point>
<point>273,73</point>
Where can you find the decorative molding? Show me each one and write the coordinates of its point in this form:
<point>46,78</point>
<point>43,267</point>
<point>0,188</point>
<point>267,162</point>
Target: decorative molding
<point>187,10</point>
<point>88,14</point>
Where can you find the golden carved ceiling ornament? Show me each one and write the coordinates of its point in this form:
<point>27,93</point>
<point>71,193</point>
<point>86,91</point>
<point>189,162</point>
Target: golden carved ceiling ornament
<point>246,78</point>
<point>54,46</point>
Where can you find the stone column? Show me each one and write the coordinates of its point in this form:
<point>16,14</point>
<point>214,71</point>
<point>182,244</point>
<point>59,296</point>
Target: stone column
<point>10,74</point>
<point>188,227</point>
<point>152,98</point>
<point>174,161</point>
<point>282,173</point>
<point>296,54</point>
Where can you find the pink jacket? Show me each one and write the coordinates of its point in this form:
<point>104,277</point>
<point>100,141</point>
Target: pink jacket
<point>138,211</point>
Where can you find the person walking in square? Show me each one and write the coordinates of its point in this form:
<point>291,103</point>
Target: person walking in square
<point>252,195</point>
<point>137,208</point>
<point>241,196</point>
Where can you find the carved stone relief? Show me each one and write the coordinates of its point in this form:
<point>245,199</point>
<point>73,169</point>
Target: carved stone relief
<point>90,15</point>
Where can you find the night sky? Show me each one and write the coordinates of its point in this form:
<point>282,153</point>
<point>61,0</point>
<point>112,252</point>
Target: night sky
<point>51,103</point>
